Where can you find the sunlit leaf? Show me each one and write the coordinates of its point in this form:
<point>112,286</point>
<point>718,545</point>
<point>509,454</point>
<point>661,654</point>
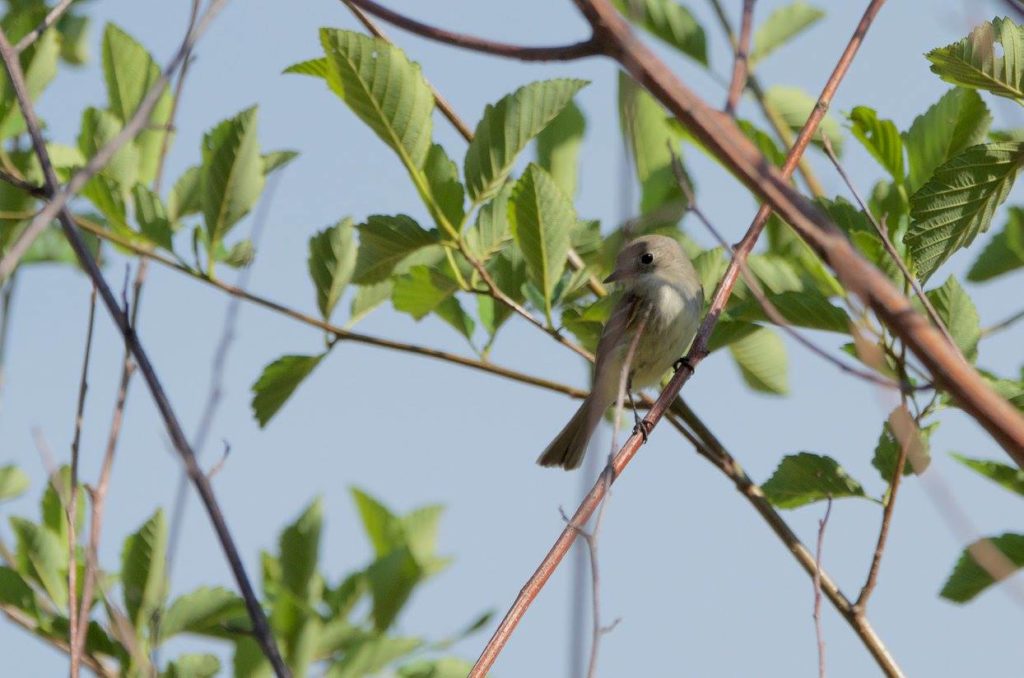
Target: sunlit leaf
<point>781,26</point>
<point>805,478</point>
<point>806,308</point>
<point>384,241</point>
<point>761,357</point>
<point>39,65</point>
<point>232,176</point>
<point>42,557</point>
<point>977,62</point>
<point>151,216</point>
<point>881,139</point>
<point>446,191</point>
<point>331,262</point>
<point>793,106</point>
<point>956,121</point>
<point>143,563</point>
<point>958,313</point>
<point>204,611</point>
<point>670,21</point>
<point>968,578</point>
<point>558,147</point>
<point>13,482</point>
<point>1010,477</point>
<point>193,666</point>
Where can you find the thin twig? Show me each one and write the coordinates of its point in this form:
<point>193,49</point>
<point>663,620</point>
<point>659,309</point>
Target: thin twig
<point>261,628</point>
<point>819,634</point>
<point>883,233</point>
<point>577,50</point>
<point>739,67</point>
<point>72,504</point>
<point>52,17</point>
<point>6,306</point>
<point>27,186</point>
<point>1003,324</point>
<point>26,622</point>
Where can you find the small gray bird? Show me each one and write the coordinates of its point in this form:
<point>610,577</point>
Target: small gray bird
<point>661,292</point>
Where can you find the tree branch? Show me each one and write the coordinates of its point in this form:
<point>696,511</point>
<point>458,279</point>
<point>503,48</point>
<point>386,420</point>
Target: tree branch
<point>52,17</point>
<point>819,634</point>
<point>576,50</point>
<point>739,66</point>
<point>261,628</point>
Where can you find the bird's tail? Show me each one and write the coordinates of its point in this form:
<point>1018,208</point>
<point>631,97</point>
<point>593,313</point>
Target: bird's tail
<point>569,446</point>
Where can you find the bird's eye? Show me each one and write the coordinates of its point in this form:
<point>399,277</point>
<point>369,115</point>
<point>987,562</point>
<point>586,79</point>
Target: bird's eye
<point>647,258</point>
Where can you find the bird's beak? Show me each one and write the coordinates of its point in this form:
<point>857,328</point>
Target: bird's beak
<point>615,275</point>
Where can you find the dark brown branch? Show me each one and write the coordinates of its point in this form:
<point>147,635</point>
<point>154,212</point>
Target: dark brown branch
<point>577,50</point>
<point>28,187</point>
<point>259,620</point>
<point>740,61</point>
<point>818,633</point>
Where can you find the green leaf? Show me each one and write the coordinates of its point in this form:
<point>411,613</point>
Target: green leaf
<point>42,557</point>
<point>421,291</point>
<point>781,26</point>
<point>39,64</point>
<point>98,129</point>
<point>232,177</point>
<point>152,218</point>
<point>558,147</point>
<point>899,430</point>
<point>249,660</point>
<point>332,260</point>
<point>510,277</point>
<point>130,72</point>
<point>316,68</point>
<point>446,667</point>
<point>505,129</point>
<point>541,216</point>
<point>793,106</point>
<point>491,230</point>
<point>143,579</point>
<point>1004,252</point>
<point>367,298</point>
<point>14,590</point>
<point>276,160</point>
<point>420,528</point>
<point>805,478</point>
<point>381,525</point>
<point>370,656</point>
<point>956,121</point>
<point>881,139</point>
<point>277,383</point>
<point>764,142</point>
<point>446,191</point>
<point>392,579</point>
<point>384,241</point>
<point>300,548</point>
<point>185,197</point>
<point>193,666</point>
<point>958,202</point>
<point>384,89</point>
<point>957,311</point>
<point>976,62</point>
<point>13,482</point>
<point>670,21</point>
<point>761,357</point>
<point>53,504</point>
<point>241,254</point>
<point>204,611</point>
<point>74,44</point>
<point>968,578</point>
<point>807,308</point>
<point>1010,477</point>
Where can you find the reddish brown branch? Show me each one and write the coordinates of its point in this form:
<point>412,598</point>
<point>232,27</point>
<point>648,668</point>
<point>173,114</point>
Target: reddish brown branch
<point>576,50</point>
<point>740,62</point>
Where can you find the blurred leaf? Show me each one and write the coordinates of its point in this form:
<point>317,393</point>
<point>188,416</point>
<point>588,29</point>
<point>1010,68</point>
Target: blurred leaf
<point>367,298</point>
<point>968,578</point>
<point>793,106</point>
<point>781,26</point>
<point>15,591</point>
<point>509,276</point>
<point>420,529</point>
<point>491,230</point>
<point>880,138</point>
<point>276,160</point>
<point>728,331</point>
<point>331,262</point>
<point>152,218</point>
<point>1004,252</point>
<point>74,44</point>
<point>300,547</point>
<point>232,177</point>
<point>807,308</point>
<point>53,504</point>
<point>39,64</point>
<point>958,202</point>
<point>805,478</point>
<point>203,611</point>
<point>976,62</point>
<point>446,190</point>
<point>384,241</point>
<point>97,130</point>
<point>143,579</point>
<point>348,593</point>
<point>13,482</point>
<point>958,313</point>
<point>392,579</point>
<point>505,129</point>
<point>899,430</point>
<point>956,121</point>
<point>540,217</point>
<point>185,195</point>
<point>372,655</point>
<point>446,667</point>
<point>776,274</point>
<point>670,21</point>
<point>193,666</point>
<point>1010,477</point>
<point>277,383</point>
<point>249,661</point>
<point>383,88</point>
<point>381,525</point>
<point>558,147</point>
<point>764,142</point>
<point>42,557</point>
<point>106,196</point>
<point>241,254</point>
<point>761,357</point>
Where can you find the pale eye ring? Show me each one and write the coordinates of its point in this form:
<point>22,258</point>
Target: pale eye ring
<point>647,258</point>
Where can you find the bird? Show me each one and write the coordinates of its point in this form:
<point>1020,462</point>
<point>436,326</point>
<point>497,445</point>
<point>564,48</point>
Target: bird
<point>662,296</point>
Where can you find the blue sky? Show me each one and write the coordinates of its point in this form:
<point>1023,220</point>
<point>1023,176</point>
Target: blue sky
<point>701,585</point>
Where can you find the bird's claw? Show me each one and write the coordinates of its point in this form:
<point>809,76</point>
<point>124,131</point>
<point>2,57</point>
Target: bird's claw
<point>682,362</point>
<point>643,427</point>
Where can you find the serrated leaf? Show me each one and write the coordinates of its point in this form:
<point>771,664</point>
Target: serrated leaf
<point>507,127</point>
<point>558,147</point>
<point>42,557</point>
<point>193,666</point>
<point>957,311</point>
<point>491,230</point>
<point>331,262</point>
<point>781,26</point>
<point>956,121</point>
<point>670,21</point>
<point>13,482</point>
<point>446,191</point>
<point>540,218</point>
<point>97,130</point>
<point>899,430</point>
<point>278,381</point>
<point>761,357</point>
<point>316,68</point>
<point>793,106</point>
<point>143,562</point>
<point>881,139</point>
<point>384,89</point>
<point>958,202</point>
<point>184,198</point>
<point>204,611</point>
<point>39,65</point>
<point>805,308</point>
<point>1004,252</point>
<point>968,578</point>
<point>384,241</point>
<point>1010,477</point>
<point>976,62</point>
<point>151,216</point>
<point>804,478</point>
<point>231,178</point>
